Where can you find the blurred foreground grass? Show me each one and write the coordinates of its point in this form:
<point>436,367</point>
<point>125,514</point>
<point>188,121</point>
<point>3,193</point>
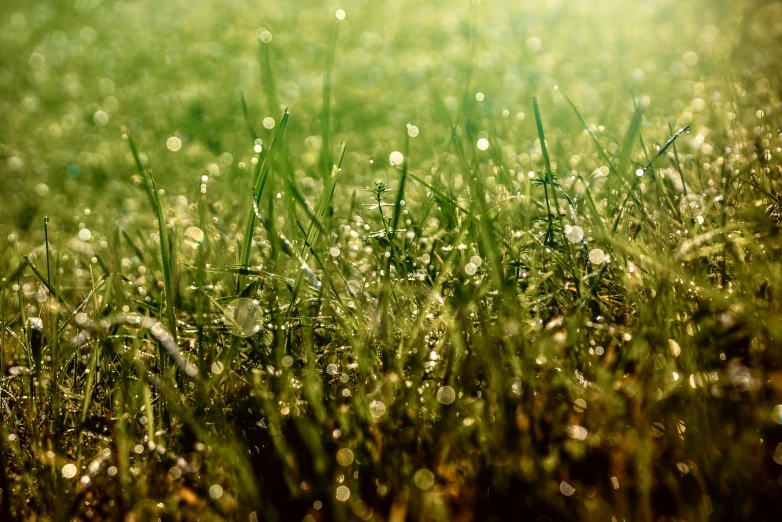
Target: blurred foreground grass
<point>417,294</point>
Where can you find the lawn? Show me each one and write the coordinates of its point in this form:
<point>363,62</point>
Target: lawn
<point>393,260</point>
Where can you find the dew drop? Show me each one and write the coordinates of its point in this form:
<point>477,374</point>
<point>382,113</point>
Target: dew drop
<point>566,489</point>
<point>216,491</point>
<point>345,457</point>
<point>244,317</point>
<point>194,237</point>
<point>596,256</point>
<point>100,118</point>
<point>424,479</point>
<point>343,493</point>
<point>265,36</point>
<point>174,144</point>
<point>575,234</point>
<point>37,61</point>
<point>396,158</point>
<point>446,395</point>
<point>377,408</point>
<point>69,470</point>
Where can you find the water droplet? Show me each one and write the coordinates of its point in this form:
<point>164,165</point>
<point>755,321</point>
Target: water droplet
<point>446,395</point>
<point>174,144</point>
<point>287,361</point>
<point>377,408</point>
<point>424,479</point>
<point>100,118</point>
<point>345,457</point>
<point>596,256</point>
<point>265,36</point>
<point>340,14</point>
<point>343,493</point>
<point>470,269</point>
<point>483,144</point>
<point>69,470</point>
<point>37,61</point>
<point>268,122</point>
<point>396,158</point>
<point>777,414</point>
<point>566,489</point>
<point>194,237</point>
<point>575,234</point>
<point>85,234</point>
<point>412,131</point>
<point>244,317</point>
<point>216,491</point>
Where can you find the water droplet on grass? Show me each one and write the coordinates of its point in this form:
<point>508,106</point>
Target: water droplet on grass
<point>265,36</point>
<point>377,408</point>
<point>446,395</point>
<point>216,491</point>
<point>174,144</point>
<point>396,158</point>
<point>69,471</point>
<point>596,256</point>
<point>100,118</point>
<point>778,454</point>
<point>424,479</point>
<point>575,234</point>
<point>37,61</point>
<point>345,457</point>
<point>244,317</point>
<point>343,493</point>
<point>194,237</point>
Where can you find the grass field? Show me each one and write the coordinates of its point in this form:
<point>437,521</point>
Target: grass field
<point>433,260</point>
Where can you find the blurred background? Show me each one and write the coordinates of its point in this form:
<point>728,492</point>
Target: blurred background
<point>75,76</point>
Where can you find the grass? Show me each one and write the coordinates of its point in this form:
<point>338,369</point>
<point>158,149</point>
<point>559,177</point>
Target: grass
<point>429,262</point>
